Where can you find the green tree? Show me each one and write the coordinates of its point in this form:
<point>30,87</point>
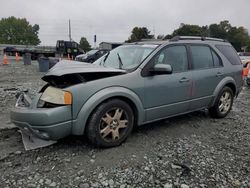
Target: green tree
<point>84,44</point>
<point>18,31</point>
<point>190,30</point>
<point>237,36</point>
<point>220,30</point>
<point>139,33</point>
<point>248,46</point>
<point>168,37</point>
<point>160,37</point>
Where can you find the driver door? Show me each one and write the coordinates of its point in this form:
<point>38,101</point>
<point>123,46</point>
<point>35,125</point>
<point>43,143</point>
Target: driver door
<point>168,94</point>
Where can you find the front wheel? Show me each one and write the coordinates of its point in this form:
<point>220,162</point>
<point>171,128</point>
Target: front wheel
<point>223,103</point>
<point>110,124</point>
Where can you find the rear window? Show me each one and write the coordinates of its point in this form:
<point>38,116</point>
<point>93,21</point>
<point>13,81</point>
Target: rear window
<point>230,53</point>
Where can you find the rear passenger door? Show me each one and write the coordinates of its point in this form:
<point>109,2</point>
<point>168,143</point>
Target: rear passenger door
<point>207,69</point>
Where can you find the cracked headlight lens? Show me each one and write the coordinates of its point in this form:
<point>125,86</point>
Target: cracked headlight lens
<point>56,96</point>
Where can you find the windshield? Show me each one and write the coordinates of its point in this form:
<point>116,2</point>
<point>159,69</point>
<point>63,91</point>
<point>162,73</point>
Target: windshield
<point>91,52</point>
<point>126,57</point>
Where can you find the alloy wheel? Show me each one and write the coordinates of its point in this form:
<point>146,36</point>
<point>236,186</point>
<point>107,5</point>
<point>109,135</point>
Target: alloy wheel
<point>113,124</point>
<point>225,102</point>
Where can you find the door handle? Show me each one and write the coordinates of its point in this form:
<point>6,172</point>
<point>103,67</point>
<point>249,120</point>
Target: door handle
<point>183,80</point>
<point>219,74</point>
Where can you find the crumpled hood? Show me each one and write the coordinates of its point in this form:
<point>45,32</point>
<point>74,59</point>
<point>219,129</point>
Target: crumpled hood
<point>71,67</point>
<point>65,70</point>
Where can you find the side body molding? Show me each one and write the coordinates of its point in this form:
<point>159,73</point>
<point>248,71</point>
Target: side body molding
<point>223,82</point>
<point>80,122</point>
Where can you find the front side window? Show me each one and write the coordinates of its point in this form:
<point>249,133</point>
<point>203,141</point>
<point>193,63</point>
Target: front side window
<point>176,56</point>
<point>202,57</point>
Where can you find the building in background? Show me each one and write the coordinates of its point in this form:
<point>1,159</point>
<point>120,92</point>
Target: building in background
<point>109,45</point>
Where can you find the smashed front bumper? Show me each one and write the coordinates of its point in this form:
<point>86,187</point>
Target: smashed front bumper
<point>44,123</point>
<point>31,142</point>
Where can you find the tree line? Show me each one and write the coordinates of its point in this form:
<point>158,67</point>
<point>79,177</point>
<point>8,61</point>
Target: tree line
<point>19,31</point>
<point>237,36</point>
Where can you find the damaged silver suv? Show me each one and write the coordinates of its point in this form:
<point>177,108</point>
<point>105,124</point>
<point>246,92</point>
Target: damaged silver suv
<point>133,84</point>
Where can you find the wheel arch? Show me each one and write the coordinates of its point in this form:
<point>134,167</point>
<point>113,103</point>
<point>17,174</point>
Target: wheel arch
<point>106,94</point>
<point>232,86</point>
<point>227,81</point>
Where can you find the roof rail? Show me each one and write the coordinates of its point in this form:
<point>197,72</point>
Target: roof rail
<point>177,38</point>
<point>145,40</point>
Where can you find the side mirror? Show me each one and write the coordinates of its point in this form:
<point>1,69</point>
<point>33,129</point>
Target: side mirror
<point>161,69</point>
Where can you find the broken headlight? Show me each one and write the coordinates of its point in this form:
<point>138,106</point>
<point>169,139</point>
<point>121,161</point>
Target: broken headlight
<point>55,96</point>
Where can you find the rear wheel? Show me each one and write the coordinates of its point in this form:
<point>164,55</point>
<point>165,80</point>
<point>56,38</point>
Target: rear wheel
<point>248,81</point>
<point>110,124</point>
<point>223,103</point>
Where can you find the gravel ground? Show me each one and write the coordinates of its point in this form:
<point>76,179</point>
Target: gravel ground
<point>192,150</point>
<point>13,78</point>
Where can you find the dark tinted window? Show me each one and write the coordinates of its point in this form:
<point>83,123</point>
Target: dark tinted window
<point>202,57</point>
<point>176,56</point>
<point>217,61</point>
<point>230,53</point>
<point>102,52</point>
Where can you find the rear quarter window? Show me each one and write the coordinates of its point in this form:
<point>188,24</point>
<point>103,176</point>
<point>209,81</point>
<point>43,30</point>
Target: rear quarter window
<point>217,60</point>
<point>230,53</point>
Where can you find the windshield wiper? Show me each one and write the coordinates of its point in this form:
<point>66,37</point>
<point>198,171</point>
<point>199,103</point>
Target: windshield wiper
<point>105,58</point>
<point>120,61</point>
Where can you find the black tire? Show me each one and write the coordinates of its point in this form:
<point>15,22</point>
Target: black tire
<point>248,81</point>
<point>223,103</point>
<point>110,124</point>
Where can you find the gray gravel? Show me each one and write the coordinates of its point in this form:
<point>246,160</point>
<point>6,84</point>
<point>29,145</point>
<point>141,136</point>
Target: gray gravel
<point>192,150</point>
<point>16,77</point>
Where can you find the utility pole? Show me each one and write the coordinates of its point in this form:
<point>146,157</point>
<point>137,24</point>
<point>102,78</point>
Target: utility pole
<point>70,39</point>
<point>94,41</point>
<point>154,31</point>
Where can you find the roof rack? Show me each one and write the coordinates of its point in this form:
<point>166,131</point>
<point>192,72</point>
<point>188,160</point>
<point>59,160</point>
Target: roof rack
<point>177,38</point>
<point>146,40</point>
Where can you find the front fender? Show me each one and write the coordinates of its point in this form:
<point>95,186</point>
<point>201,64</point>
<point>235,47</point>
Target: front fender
<point>81,120</point>
<point>223,82</point>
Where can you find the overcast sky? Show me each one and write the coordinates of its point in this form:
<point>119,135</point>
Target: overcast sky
<point>113,20</point>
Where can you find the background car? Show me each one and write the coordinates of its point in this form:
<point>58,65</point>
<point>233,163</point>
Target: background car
<point>91,56</point>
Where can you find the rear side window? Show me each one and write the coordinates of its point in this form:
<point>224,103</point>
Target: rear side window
<point>230,53</point>
<point>202,57</point>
